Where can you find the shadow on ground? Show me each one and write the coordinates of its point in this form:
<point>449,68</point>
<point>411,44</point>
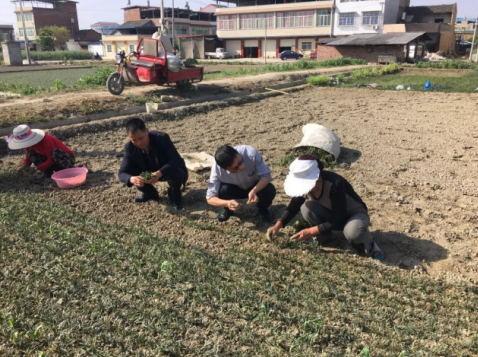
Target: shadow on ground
<point>407,252</point>
<point>348,155</point>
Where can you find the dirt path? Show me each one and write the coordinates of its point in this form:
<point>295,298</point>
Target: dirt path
<point>416,167</point>
<point>63,106</point>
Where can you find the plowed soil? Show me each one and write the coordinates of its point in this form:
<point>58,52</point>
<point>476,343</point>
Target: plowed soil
<point>413,157</point>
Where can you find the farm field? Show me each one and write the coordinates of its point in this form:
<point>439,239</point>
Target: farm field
<point>87,271</point>
<point>45,79</point>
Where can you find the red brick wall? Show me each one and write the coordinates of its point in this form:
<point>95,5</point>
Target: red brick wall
<point>327,52</point>
<point>368,53</point>
<point>132,14</point>
<point>64,15</point>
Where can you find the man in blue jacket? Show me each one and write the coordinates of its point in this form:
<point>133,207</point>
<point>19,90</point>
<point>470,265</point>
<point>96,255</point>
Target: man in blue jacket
<point>152,152</point>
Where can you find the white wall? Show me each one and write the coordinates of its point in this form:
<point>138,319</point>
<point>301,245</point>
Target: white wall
<point>387,8</point>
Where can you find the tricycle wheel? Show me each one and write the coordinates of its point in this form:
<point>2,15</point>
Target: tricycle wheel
<point>115,83</point>
<point>184,84</point>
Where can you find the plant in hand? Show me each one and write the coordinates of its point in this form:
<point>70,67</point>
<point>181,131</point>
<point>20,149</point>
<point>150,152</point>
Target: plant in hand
<point>146,175</point>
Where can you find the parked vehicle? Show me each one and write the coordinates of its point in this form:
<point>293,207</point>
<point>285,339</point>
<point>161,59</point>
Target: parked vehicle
<point>220,53</point>
<point>285,55</point>
<point>151,64</point>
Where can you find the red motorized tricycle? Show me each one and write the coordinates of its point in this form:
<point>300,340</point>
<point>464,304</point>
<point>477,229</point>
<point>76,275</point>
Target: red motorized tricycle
<point>151,64</point>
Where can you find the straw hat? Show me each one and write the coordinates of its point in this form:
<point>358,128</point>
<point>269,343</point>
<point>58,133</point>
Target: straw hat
<point>303,174</point>
<point>320,137</point>
<point>23,137</point>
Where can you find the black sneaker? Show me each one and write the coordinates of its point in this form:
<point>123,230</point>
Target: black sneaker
<point>224,215</point>
<point>144,199</point>
<point>266,215</point>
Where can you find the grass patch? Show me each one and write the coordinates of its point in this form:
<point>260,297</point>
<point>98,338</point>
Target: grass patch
<point>467,83</point>
<point>72,284</point>
<point>285,67</point>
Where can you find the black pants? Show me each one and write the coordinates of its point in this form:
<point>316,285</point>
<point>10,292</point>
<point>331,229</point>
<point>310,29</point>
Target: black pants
<point>176,180</point>
<point>231,192</point>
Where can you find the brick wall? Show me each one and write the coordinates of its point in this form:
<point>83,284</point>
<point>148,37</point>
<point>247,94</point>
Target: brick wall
<point>133,14</point>
<point>368,53</point>
<point>64,15</point>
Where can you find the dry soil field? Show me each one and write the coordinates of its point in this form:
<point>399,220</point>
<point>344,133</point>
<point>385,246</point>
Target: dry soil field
<point>413,157</point>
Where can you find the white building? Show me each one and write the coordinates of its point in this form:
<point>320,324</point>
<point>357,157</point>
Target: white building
<point>366,16</point>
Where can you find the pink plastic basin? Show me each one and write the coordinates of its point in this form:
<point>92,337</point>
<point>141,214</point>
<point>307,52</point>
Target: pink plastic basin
<point>70,178</point>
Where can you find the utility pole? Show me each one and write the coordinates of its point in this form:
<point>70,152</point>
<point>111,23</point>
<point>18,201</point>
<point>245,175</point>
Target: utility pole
<point>473,43</point>
<point>162,17</point>
<point>265,38</point>
<point>25,38</point>
<point>172,28</point>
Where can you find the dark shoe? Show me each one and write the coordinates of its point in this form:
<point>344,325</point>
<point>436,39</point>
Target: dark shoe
<point>224,215</point>
<point>266,215</point>
<point>144,199</point>
<point>375,252</point>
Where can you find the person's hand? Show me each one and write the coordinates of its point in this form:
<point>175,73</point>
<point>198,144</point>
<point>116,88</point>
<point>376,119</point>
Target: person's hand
<point>137,181</point>
<point>305,234</point>
<point>232,205</point>
<point>252,197</point>
<point>272,231</point>
<point>155,178</point>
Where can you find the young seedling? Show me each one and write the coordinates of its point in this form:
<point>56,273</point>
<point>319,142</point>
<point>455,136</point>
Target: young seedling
<point>146,175</point>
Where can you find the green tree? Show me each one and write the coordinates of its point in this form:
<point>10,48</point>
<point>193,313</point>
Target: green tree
<point>60,35</point>
<point>47,40</point>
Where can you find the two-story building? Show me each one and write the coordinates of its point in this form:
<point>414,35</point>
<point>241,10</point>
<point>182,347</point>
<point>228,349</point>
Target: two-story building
<point>261,29</point>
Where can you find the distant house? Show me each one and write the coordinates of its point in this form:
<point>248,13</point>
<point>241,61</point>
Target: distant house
<point>105,28</point>
<point>143,21</point>
<point>402,47</point>
<point>42,13</point>
<point>437,21</point>
<point>465,28</point>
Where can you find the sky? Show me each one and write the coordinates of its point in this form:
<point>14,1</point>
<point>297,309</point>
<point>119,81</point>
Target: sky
<point>91,11</point>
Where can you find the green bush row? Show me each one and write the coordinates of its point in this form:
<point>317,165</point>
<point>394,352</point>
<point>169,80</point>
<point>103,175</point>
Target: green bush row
<point>356,75</point>
<point>58,55</point>
<point>447,64</point>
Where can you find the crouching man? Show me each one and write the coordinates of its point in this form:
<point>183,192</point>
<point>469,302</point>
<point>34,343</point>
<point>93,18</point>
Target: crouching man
<point>327,201</point>
<point>149,157</point>
<point>47,153</point>
<point>240,173</point>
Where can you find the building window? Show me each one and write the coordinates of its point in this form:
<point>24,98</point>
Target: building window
<point>323,18</point>
<point>371,18</point>
<point>109,48</point>
<point>180,29</point>
<point>30,32</point>
<point>200,30</point>
<point>27,15</point>
<point>256,21</point>
<point>228,22</point>
<point>306,46</point>
<point>295,19</point>
<point>132,48</point>
<point>347,19</point>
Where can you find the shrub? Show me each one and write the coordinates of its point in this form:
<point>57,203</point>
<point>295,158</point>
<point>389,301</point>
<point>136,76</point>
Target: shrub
<point>320,81</point>
<point>58,85</point>
<point>96,79</point>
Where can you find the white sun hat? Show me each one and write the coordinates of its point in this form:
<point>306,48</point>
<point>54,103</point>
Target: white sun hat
<point>303,174</point>
<point>23,137</point>
<point>319,136</point>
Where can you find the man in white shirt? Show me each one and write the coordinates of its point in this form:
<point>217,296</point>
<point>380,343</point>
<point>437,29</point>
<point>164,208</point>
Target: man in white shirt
<point>240,173</point>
